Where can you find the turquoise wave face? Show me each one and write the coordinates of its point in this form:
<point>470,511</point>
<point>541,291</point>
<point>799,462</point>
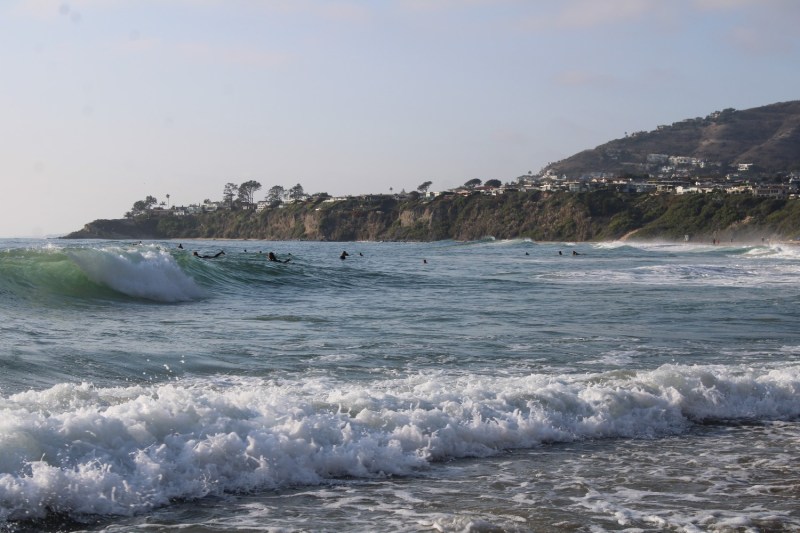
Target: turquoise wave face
<point>45,274</point>
<point>162,273</point>
<point>146,273</point>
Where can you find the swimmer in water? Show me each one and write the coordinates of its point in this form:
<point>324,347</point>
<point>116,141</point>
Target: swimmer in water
<point>209,256</point>
<point>271,257</point>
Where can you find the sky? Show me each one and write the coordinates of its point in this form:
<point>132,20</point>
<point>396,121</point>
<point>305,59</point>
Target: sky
<point>106,102</point>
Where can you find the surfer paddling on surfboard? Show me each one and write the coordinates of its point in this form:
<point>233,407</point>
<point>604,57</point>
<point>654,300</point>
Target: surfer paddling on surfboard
<point>271,257</point>
<point>209,256</point>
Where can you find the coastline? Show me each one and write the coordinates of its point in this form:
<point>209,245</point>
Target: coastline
<point>557,217</point>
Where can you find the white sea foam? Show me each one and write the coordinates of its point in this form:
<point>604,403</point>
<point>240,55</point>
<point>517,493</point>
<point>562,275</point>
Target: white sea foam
<point>710,274</point>
<point>148,273</point>
<point>80,449</point>
<point>776,251</point>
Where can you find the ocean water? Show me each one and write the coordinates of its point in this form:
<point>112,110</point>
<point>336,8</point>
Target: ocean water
<point>480,386</point>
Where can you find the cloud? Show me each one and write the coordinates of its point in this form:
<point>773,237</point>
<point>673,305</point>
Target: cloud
<point>446,5</point>
<point>342,10</point>
<point>588,14</point>
<point>48,9</point>
<point>338,11</point>
<point>139,43</point>
<point>203,52</point>
<point>759,43</point>
<point>582,78</point>
<point>727,5</point>
<point>758,27</point>
<point>510,136</point>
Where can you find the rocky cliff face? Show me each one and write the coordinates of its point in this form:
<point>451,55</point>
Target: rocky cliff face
<point>540,216</point>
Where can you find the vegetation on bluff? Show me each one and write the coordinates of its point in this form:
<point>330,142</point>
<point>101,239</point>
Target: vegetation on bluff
<point>542,216</point>
<point>765,137</point>
<point>761,142</point>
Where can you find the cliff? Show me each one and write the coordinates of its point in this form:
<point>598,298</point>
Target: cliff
<point>561,216</point>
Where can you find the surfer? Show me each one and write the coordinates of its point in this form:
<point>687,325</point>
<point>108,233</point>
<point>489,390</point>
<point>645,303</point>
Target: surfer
<point>559,252</point>
<point>344,255</point>
<point>271,257</point>
<point>180,246</point>
<point>209,256</point>
<point>575,253</point>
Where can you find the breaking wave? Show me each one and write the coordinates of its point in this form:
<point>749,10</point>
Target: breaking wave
<point>142,272</point>
<point>78,450</point>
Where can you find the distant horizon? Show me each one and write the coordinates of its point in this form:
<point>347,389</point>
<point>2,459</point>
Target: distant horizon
<point>105,102</point>
<point>264,190</point>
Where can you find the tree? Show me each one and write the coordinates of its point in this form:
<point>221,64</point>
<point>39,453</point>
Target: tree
<point>247,190</point>
<point>471,184</point>
<point>275,194</point>
<point>142,206</point>
<point>493,183</point>
<point>229,193</point>
<point>423,188</point>
<point>297,193</point>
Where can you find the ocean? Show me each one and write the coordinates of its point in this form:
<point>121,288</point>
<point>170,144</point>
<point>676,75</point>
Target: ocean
<point>449,386</point>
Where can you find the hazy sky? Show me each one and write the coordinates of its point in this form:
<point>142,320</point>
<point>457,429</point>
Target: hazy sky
<point>103,102</point>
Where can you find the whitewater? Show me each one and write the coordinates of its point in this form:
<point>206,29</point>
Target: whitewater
<point>449,386</point>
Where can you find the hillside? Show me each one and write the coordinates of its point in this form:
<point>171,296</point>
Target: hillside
<point>560,216</point>
<point>767,137</point>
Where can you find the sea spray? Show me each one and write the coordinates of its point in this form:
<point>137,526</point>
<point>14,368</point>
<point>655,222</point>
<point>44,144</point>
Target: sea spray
<point>80,449</point>
<point>149,273</point>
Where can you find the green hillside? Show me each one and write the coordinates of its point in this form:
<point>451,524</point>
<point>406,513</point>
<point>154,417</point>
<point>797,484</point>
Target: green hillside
<point>767,137</point>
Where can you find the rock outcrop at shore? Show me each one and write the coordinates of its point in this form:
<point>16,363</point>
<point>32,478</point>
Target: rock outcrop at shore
<point>561,216</point>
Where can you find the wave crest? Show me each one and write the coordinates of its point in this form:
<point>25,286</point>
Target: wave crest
<point>145,272</point>
<point>150,273</point>
<point>77,449</point>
